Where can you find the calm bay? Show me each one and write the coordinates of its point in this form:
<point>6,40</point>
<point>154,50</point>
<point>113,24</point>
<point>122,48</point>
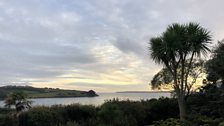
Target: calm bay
<point>97,100</point>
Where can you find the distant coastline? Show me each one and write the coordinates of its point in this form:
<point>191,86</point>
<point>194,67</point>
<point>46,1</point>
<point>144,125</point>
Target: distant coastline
<point>34,92</point>
<point>144,92</point>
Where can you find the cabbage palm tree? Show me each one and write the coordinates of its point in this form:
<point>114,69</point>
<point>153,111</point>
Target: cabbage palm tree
<point>176,49</point>
<point>18,100</point>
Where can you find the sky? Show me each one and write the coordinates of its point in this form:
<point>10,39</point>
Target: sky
<point>92,44</point>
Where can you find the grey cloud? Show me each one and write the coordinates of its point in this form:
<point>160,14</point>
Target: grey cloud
<point>40,60</point>
<point>128,45</point>
<point>109,87</point>
<point>46,39</point>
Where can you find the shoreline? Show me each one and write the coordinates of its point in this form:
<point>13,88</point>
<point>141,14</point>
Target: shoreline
<point>143,92</point>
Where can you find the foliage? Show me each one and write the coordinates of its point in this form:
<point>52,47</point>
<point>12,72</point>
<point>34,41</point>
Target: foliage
<point>208,102</point>
<point>5,110</point>
<point>221,123</point>
<point>18,100</point>
<point>215,66</point>
<point>59,115</point>
<point>72,124</point>
<point>8,120</point>
<point>200,120</point>
<point>161,109</point>
<point>161,78</point>
<point>164,77</point>
<point>168,122</point>
<point>192,120</point>
<point>205,108</point>
<point>111,113</point>
<point>176,49</point>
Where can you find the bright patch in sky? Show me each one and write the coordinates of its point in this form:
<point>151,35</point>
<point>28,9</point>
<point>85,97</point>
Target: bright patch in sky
<point>91,44</point>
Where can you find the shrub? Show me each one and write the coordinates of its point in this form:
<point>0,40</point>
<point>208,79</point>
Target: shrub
<point>209,102</point>
<point>112,115</point>
<point>79,113</point>
<point>8,120</point>
<point>200,120</point>
<point>59,115</point>
<point>221,123</point>
<point>169,122</point>
<point>161,109</point>
<point>69,124</point>
<point>38,116</point>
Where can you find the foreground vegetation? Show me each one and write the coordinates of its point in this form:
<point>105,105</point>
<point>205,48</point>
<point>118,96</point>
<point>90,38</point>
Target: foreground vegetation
<point>205,109</point>
<point>33,92</point>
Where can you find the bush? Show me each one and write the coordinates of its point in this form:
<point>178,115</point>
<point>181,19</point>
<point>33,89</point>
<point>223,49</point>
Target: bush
<point>200,120</point>
<point>161,109</point>
<point>70,124</point>
<point>221,123</point>
<point>59,115</point>
<point>76,112</point>
<point>111,113</point>
<point>129,109</point>
<point>169,122</point>
<point>8,120</point>
<point>208,102</point>
<point>38,116</point>
<point>139,113</point>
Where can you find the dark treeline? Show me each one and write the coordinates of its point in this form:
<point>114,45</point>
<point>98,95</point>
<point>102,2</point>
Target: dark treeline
<point>206,109</point>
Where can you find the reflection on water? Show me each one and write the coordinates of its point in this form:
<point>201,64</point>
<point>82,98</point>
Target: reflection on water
<point>96,100</point>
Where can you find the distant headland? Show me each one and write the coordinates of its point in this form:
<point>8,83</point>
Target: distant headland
<point>156,91</point>
<point>34,92</point>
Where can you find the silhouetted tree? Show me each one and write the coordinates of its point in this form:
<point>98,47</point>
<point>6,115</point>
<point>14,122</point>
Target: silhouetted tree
<point>176,48</point>
<point>164,77</point>
<point>215,65</point>
<point>18,100</point>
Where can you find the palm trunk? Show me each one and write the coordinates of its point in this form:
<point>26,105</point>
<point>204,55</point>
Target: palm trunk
<point>182,106</point>
<point>180,99</point>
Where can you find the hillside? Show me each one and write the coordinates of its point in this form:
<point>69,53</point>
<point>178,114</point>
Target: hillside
<point>45,92</point>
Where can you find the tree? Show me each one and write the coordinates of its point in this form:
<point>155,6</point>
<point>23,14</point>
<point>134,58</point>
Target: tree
<point>164,77</point>
<point>215,66</point>
<point>18,100</point>
<point>176,49</point>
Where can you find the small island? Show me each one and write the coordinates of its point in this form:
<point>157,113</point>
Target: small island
<point>34,92</point>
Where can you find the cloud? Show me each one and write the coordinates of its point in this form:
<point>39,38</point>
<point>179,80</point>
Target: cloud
<point>77,44</point>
